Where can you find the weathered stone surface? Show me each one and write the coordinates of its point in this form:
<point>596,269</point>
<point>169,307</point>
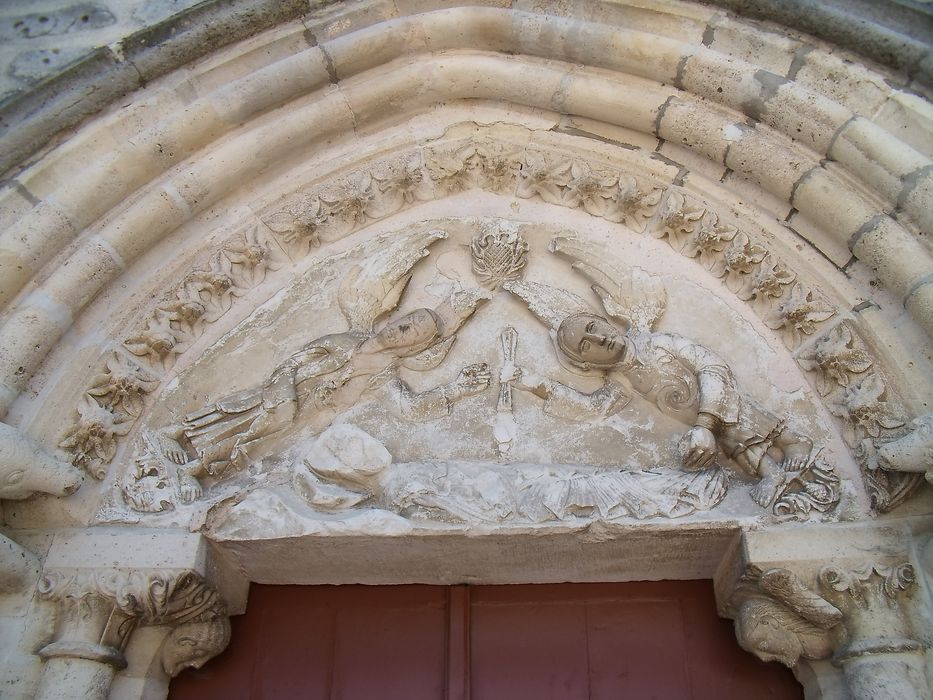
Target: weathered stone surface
<point>391,292</point>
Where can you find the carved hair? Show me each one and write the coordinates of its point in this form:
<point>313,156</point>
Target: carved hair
<point>772,632</point>
<point>571,353</point>
<point>193,644</point>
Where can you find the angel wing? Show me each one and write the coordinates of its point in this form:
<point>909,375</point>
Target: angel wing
<point>550,304</point>
<point>374,286</point>
<point>629,294</point>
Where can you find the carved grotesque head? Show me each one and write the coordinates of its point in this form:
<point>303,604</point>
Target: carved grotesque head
<point>194,644</point>
<point>412,330</point>
<point>773,633</point>
<point>26,468</point>
<point>590,341</point>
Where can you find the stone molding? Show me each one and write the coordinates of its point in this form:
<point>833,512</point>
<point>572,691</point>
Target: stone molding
<point>330,209</point>
<point>193,34</point>
<point>672,116</point>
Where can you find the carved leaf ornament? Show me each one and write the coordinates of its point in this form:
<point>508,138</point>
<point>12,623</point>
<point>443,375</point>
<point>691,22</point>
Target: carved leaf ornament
<point>341,206</point>
<point>498,258</point>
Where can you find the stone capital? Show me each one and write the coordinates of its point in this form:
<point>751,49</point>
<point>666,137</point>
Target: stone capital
<point>99,609</point>
<point>846,596</point>
<point>175,582</point>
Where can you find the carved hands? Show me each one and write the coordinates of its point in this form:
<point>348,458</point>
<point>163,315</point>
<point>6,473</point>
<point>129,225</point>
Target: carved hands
<point>526,381</point>
<point>698,448</point>
<point>473,379</point>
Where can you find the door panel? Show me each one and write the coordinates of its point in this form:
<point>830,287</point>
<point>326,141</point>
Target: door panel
<point>645,640</point>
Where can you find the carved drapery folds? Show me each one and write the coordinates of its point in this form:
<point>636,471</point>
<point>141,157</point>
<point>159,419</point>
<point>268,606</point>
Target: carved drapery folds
<point>221,444</point>
<point>99,609</point>
<point>501,162</point>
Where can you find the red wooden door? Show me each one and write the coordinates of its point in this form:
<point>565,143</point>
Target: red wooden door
<point>658,640</point>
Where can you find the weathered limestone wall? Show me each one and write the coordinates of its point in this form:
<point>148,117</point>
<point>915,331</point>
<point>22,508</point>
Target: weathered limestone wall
<point>190,205</point>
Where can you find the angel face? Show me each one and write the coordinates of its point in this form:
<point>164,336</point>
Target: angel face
<point>591,340</point>
<point>416,328</point>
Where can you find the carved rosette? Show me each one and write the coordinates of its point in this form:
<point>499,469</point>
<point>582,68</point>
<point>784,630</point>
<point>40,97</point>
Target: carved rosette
<point>100,609</point>
<point>836,357</point>
<point>498,258</point>
<point>708,243</point>
<point>678,219</point>
<point>477,163</point>
<point>871,415</point>
<point>116,395</point>
<point>799,314</point>
<point>337,207</point>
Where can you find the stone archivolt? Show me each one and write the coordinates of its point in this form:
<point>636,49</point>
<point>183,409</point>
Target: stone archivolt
<point>669,113</point>
<point>331,210</point>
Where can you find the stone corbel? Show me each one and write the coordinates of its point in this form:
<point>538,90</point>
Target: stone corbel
<point>847,596</point>
<point>27,468</point>
<point>100,608</point>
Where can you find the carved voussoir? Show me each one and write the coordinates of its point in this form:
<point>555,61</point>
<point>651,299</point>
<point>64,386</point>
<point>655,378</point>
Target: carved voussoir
<point>116,395</point>
<point>892,455</point>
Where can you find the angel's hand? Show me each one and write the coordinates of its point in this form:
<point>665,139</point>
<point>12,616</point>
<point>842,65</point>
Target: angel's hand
<point>529,381</point>
<point>698,448</point>
<point>472,380</point>
<point>509,374</point>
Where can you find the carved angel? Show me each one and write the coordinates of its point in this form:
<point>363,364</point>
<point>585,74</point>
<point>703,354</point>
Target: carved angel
<point>331,372</point>
<point>682,378</point>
